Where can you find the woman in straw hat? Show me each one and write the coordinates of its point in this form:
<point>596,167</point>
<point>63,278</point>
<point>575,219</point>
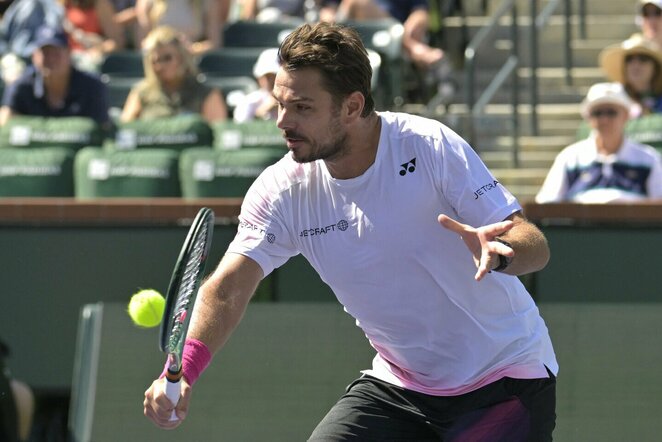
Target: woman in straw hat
<point>637,64</point>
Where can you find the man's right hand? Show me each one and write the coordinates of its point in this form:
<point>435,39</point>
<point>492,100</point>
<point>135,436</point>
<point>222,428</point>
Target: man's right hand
<point>158,408</point>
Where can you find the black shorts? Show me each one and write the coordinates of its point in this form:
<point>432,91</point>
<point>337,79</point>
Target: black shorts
<point>508,410</point>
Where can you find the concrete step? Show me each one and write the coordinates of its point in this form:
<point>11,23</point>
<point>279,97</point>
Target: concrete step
<point>524,192</point>
<point>554,111</point>
<point>509,177</point>
<point>527,159</point>
<point>609,22</point>
<point>601,32</point>
<point>593,7</point>
<point>543,145</point>
<point>553,85</point>
<point>547,127</point>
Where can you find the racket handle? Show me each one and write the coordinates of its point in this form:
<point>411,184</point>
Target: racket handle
<point>173,391</point>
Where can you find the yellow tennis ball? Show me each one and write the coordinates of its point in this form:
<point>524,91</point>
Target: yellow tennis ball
<point>146,308</point>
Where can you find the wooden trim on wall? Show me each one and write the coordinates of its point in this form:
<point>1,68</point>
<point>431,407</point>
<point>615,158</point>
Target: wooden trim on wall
<point>129,211</point>
<point>69,211</point>
<point>648,212</point>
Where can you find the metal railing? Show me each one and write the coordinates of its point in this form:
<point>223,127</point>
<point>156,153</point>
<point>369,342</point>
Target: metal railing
<point>476,107</point>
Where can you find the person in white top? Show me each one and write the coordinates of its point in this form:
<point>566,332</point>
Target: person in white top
<point>419,242</point>
<point>607,166</point>
<point>260,104</point>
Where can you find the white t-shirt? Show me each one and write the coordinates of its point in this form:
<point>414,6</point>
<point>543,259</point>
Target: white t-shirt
<point>245,110</point>
<point>407,281</point>
<point>583,175</point>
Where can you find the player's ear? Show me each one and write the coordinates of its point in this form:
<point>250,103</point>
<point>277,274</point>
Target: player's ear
<point>353,105</point>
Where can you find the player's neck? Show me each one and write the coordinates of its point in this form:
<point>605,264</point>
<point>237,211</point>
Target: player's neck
<point>363,141</point>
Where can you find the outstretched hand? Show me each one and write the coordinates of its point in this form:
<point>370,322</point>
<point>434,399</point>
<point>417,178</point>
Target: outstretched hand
<point>481,242</point>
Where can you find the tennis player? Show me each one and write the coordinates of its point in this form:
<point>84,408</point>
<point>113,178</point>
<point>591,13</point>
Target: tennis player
<point>419,242</point>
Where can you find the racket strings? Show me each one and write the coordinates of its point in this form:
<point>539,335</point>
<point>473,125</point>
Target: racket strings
<point>187,287</point>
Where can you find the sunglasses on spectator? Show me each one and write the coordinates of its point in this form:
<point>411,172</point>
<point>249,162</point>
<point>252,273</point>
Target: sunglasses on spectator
<point>166,58</point>
<point>610,113</point>
<point>651,12</point>
<point>642,58</point>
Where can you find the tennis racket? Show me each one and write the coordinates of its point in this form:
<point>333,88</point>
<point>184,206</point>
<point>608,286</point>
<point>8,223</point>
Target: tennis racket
<point>180,298</point>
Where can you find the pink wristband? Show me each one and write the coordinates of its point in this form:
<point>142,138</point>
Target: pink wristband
<point>195,360</point>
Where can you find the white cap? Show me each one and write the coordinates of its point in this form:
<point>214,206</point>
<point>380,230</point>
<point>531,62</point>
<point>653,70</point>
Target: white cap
<point>267,63</point>
<point>657,3</point>
<point>606,93</point>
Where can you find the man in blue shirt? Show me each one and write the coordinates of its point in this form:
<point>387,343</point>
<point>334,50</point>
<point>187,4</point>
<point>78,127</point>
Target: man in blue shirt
<point>53,87</point>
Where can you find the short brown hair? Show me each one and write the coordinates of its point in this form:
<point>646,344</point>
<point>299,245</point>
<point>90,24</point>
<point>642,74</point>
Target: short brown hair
<point>337,52</point>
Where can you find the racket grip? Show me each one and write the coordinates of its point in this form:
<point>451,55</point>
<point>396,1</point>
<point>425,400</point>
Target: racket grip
<point>173,391</point>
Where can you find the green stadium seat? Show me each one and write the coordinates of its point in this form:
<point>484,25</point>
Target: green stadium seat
<point>647,130</point>
<point>120,70</point>
<point>148,172</point>
<point>207,172</point>
<point>36,172</point>
<point>251,34</point>
<point>234,89</point>
<point>118,90</point>
<point>123,64</point>
<point>71,132</point>
<point>230,70</point>
<point>176,133</point>
<point>385,38</point>
<point>229,62</point>
<point>229,135</point>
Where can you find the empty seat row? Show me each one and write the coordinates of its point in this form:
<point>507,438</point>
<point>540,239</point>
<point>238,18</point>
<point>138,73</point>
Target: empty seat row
<point>173,133</point>
<point>168,157</point>
<point>97,172</point>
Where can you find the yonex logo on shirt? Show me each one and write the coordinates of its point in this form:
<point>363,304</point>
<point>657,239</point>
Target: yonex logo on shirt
<point>409,166</point>
<point>341,225</point>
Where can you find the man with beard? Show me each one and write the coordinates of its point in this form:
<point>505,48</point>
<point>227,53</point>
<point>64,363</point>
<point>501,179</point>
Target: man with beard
<point>419,243</point>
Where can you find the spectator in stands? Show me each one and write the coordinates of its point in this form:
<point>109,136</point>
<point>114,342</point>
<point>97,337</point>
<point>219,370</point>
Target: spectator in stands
<point>17,403</point>
<point>198,20</point>
<point>18,32</point>
<point>413,14</point>
<point>125,17</point>
<point>649,19</point>
<point>606,166</point>
<point>93,31</point>
<point>637,64</point>
<point>171,86</point>
<point>260,104</point>
<point>270,11</point>
<point>53,87</point>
